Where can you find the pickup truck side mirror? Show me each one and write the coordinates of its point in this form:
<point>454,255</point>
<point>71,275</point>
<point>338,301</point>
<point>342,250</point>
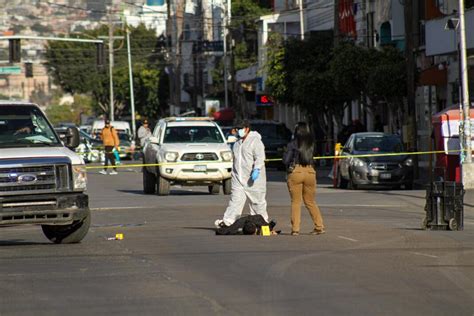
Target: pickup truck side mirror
<point>154,140</point>
<point>72,138</point>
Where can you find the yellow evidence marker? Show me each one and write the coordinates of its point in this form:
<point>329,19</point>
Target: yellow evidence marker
<point>266,230</point>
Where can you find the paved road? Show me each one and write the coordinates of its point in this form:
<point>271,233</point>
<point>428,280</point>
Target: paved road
<point>374,259</point>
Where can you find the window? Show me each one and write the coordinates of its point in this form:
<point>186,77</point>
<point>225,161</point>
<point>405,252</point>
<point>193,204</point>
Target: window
<point>192,134</point>
<point>378,144</point>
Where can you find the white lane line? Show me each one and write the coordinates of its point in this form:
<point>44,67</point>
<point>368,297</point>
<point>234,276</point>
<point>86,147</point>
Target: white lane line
<point>347,238</point>
<point>424,254</point>
<point>361,205</point>
<point>119,208</point>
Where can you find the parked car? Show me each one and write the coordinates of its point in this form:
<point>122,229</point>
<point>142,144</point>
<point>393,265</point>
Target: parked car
<point>90,149</point>
<point>386,171</point>
<point>120,127</point>
<point>42,181</point>
<point>196,151</point>
<point>275,137</point>
<point>127,146</point>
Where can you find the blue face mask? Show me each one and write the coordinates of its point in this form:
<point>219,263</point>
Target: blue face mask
<point>241,132</point>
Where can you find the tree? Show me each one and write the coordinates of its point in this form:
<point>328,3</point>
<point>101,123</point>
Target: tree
<point>73,66</point>
<point>386,82</point>
<point>244,31</point>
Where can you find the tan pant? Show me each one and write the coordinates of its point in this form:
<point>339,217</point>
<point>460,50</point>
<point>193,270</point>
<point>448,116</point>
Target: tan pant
<point>302,186</point>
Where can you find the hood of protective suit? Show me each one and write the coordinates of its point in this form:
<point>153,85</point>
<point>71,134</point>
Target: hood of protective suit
<point>249,153</point>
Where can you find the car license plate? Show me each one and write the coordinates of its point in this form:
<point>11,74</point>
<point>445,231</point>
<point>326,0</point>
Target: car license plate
<point>200,168</point>
<point>385,176</point>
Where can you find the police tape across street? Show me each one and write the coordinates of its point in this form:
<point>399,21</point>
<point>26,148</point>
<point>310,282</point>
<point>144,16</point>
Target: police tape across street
<point>419,153</point>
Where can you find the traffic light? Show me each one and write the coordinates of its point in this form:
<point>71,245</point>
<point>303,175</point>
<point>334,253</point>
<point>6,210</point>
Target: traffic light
<point>14,50</point>
<point>100,54</point>
<point>29,70</point>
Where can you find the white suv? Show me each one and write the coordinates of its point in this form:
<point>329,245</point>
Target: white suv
<point>186,151</point>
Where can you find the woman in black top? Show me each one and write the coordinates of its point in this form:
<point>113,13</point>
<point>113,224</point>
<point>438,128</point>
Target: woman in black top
<point>302,179</point>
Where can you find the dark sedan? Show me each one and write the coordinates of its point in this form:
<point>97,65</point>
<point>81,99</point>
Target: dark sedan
<point>384,170</point>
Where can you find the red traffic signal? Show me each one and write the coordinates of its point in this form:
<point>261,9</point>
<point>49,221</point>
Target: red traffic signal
<point>264,100</point>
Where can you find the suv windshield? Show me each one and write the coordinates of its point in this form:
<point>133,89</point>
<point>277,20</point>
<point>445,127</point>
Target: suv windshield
<point>378,144</point>
<point>272,131</point>
<point>192,134</point>
<point>25,126</point>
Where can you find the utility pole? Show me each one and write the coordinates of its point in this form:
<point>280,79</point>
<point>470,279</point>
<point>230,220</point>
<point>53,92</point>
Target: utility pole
<point>302,19</point>
<point>336,22</point>
<point>130,75</point>
<point>226,26</point>
<point>411,66</point>
<point>111,61</point>
<point>467,166</point>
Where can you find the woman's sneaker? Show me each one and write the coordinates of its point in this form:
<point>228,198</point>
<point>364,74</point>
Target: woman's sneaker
<point>318,232</point>
<point>113,172</point>
<point>103,172</point>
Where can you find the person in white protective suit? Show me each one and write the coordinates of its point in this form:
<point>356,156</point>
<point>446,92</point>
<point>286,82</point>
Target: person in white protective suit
<point>249,179</point>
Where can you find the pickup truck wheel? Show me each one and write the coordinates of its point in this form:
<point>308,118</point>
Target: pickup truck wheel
<point>163,185</point>
<point>149,182</point>
<point>214,189</point>
<point>227,186</point>
<point>68,234</point>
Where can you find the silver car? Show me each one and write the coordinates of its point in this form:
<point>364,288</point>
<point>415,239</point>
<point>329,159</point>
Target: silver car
<point>381,162</point>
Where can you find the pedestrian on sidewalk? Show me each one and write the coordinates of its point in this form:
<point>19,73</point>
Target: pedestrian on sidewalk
<point>111,141</point>
<point>249,179</point>
<point>302,179</point>
<point>144,133</point>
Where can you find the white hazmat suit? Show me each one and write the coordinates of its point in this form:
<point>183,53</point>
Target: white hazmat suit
<point>249,154</point>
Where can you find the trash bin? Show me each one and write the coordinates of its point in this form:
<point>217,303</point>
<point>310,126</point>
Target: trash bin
<point>444,206</point>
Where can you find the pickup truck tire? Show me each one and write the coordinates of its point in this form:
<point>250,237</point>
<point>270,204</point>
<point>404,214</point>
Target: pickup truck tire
<point>149,182</point>
<point>227,186</point>
<point>214,189</point>
<point>163,185</point>
<point>68,234</point>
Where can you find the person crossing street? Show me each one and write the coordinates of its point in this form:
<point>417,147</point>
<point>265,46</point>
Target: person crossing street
<point>111,141</point>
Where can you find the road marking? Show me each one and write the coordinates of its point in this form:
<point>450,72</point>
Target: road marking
<point>424,254</point>
<point>119,208</point>
<point>360,205</point>
<point>347,238</point>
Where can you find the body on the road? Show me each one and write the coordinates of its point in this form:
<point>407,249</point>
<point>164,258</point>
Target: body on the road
<point>249,179</point>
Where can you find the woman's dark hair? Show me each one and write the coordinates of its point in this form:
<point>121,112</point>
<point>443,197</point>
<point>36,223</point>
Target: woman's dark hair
<point>305,143</point>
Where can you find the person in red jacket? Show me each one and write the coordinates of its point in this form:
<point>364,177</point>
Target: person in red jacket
<point>111,141</point>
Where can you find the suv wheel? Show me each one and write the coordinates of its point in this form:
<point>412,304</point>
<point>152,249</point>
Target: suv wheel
<point>149,182</point>
<point>68,234</point>
<point>227,186</point>
<point>214,189</point>
<point>163,185</point>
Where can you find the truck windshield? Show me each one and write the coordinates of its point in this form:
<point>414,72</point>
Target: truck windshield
<point>25,126</point>
<point>192,134</point>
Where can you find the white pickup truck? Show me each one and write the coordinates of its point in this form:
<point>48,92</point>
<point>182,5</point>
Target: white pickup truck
<point>42,181</point>
<point>187,151</point>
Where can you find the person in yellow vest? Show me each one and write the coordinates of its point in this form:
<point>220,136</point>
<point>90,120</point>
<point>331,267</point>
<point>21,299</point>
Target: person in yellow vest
<point>111,141</point>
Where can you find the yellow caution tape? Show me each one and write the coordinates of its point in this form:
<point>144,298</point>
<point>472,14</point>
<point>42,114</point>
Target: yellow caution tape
<point>275,159</point>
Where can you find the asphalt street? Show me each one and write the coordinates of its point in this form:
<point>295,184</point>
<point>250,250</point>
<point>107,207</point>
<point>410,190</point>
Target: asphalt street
<point>373,260</point>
